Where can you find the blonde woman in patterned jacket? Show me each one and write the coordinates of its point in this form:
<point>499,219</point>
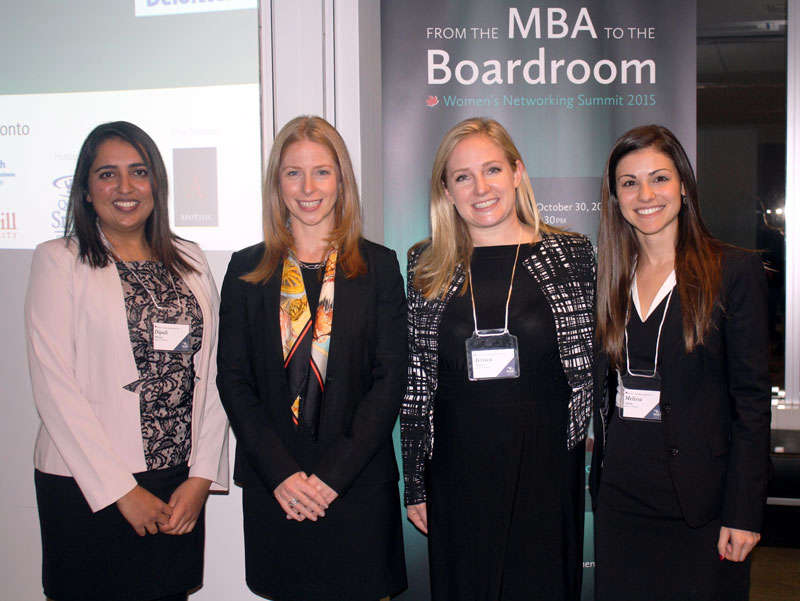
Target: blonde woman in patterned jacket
<point>501,320</point>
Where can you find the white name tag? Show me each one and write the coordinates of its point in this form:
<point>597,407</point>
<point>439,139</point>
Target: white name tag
<point>638,396</point>
<point>641,404</point>
<point>491,363</point>
<point>171,337</point>
<point>492,354</point>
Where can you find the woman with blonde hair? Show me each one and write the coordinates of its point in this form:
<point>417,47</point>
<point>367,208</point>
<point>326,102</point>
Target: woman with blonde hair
<point>501,320</point>
<point>312,362</point>
<point>679,475</point>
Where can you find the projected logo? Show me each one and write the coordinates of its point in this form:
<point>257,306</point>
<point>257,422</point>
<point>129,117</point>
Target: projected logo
<point>156,8</point>
<point>8,219</point>
<point>14,129</point>
<point>58,218</point>
<point>194,176</point>
<point>8,225</point>
<point>5,172</point>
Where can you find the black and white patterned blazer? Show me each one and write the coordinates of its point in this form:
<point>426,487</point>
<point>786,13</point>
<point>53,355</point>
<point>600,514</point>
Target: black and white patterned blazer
<point>564,267</point>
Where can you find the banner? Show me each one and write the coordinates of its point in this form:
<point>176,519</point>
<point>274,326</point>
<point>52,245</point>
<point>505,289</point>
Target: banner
<point>564,79</point>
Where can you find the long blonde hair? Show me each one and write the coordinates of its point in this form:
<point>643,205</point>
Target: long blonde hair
<point>450,244</point>
<point>346,232</point>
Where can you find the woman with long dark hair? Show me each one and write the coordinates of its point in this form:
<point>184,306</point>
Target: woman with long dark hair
<point>121,321</point>
<point>682,448</point>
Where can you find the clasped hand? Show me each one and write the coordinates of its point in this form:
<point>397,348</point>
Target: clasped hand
<point>146,513</point>
<point>304,497</point>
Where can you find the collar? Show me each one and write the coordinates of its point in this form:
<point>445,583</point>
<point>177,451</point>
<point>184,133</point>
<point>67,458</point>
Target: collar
<point>668,285</point>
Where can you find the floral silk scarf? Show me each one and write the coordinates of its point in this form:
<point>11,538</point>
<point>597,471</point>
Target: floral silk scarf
<point>305,340</point>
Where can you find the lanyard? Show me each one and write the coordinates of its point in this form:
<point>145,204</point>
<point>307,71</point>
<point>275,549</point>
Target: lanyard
<point>658,342</point>
<point>508,300</point>
<point>141,283</point>
<point>152,296</point>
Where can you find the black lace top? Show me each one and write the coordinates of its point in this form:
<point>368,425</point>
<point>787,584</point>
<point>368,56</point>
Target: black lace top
<point>166,379</point>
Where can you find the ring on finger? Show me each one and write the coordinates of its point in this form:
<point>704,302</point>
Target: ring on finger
<point>293,502</point>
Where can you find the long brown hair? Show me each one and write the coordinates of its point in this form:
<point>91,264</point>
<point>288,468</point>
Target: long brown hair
<point>697,252</point>
<point>450,244</point>
<point>81,219</point>
<point>346,233</point>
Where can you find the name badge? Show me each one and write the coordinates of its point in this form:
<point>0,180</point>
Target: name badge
<point>640,397</point>
<point>171,337</point>
<point>492,354</point>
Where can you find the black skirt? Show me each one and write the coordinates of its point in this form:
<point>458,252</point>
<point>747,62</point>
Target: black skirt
<point>644,549</point>
<point>354,553</point>
<point>99,556</point>
<point>662,559</point>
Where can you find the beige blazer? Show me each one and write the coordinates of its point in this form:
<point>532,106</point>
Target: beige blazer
<point>80,357</point>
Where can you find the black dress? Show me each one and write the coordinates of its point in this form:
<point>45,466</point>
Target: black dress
<point>643,547</point>
<point>504,495</point>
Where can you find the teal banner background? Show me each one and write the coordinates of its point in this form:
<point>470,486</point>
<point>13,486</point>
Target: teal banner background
<point>446,60</point>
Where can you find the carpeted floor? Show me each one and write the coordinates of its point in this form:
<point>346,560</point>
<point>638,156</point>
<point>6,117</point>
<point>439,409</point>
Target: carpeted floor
<point>775,574</point>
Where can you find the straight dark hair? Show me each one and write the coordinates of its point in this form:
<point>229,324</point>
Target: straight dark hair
<point>697,253</point>
<point>81,221</point>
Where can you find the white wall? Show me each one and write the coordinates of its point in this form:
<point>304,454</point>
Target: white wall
<point>20,551</point>
<point>326,61</point>
<point>224,559</point>
<point>791,419</point>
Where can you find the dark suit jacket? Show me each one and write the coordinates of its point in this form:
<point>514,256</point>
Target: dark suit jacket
<point>715,403</point>
<point>364,384</point>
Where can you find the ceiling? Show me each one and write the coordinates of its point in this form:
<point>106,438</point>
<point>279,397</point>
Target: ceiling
<point>741,61</point>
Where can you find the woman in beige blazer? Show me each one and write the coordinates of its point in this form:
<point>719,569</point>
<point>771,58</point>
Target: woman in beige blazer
<point>121,320</point>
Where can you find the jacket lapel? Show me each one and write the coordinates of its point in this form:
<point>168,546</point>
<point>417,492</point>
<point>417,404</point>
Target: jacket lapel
<point>346,306</point>
<point>270,313</point>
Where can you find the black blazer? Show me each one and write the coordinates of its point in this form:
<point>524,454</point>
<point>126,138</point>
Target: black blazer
<point>363,388</point>
<point>715,403</point>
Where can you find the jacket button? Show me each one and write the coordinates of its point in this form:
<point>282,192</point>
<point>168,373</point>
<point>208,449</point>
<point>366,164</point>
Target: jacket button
<point>673,451</point>
<point>666,407</point>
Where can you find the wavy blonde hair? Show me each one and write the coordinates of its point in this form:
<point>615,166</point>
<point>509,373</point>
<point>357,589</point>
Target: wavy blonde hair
<point>346,233</point>
<point>450,244</point>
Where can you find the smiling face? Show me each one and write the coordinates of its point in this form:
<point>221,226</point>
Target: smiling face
<point>649,190</point>
<point>119,190</point>
<point>309,185</point>
<point>481,184</point>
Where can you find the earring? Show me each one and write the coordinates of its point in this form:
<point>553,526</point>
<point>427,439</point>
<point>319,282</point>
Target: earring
<point>684,199</point>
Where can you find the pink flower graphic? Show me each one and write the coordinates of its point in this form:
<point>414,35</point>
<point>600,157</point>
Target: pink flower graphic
<point>432,101</point>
